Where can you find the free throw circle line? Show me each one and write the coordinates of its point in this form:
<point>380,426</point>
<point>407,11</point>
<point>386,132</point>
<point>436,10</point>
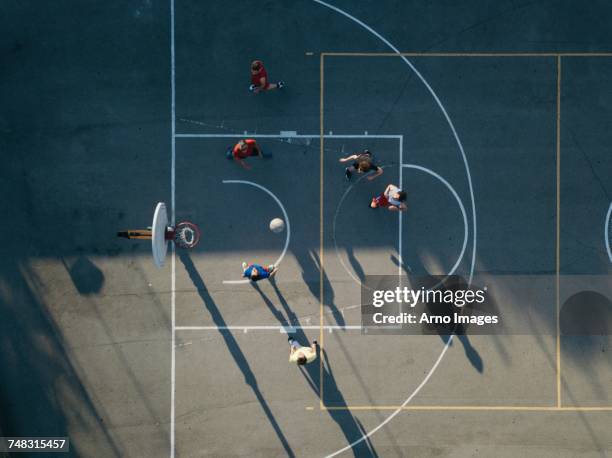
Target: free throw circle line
<point>461,206</point>
<point>435,175</point>
<point>287,224</point>
<point>336,249</point>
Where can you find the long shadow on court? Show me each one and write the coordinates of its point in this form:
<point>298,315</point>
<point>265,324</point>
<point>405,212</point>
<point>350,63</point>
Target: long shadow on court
<point>470,352</point>
<point>350,426</point>
<point>458,331</point>
<point>311,270</point>
<point>396,261</point>
<point>232,346</point>
<point>42,393</point>
<point>355,264</point>
<point>88,279</point>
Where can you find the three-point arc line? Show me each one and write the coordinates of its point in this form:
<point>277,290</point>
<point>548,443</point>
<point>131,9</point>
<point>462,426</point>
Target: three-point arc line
<point>287,224</point>
<point>461,206</point>
<point>366,435</point>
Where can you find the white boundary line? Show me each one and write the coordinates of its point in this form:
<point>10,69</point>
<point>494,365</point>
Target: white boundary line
<point>607,233</point>
<point>400,221</point>
<point>400,238</point>
<point>469,177</point>
<point>282,329</point>
<point>287,223</point>
<point>173,215</point>
<point>315,136</point>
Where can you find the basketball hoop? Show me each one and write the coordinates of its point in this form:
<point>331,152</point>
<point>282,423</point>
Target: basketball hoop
<point>184,235</point>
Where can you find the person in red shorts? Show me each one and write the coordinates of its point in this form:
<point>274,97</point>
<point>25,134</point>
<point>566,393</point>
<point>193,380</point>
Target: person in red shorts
<point>392,199</point>
<point>259,78</point>
<point>244,149</point>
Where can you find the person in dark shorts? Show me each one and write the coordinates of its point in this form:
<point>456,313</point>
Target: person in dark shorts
<point>244,149</point>
<point>362,163</point>
<point>259,78</point>
<point>392,198</point>
<point>256,272</point>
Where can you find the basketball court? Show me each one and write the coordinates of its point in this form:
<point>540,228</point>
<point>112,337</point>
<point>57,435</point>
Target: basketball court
<point>502,147</point>
<point>441,239</point>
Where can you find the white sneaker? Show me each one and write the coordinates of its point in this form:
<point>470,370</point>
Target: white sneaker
<point>280,84</point>
<point>244,266</point>
<point>252,87</point>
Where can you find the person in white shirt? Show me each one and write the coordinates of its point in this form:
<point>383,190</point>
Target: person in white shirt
<point>392,198</point>
<point>301,355</point>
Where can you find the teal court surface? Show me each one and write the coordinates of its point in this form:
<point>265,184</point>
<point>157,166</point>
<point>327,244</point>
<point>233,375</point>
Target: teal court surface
<point>494,119</point>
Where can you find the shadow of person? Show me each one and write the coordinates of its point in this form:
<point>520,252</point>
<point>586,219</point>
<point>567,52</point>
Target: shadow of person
<point>232,345</point>
<point>470,352</point>
<point>355,264</point>
<point>289,319</point>
<point>311,275</point>
<point>335,403</point>
<point>405,267</point>
<point>448,310</point>
<point>284,321</point>
<point>351,428</point>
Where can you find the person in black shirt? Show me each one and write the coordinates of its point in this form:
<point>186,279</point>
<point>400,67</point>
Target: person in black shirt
<point>362,163</point>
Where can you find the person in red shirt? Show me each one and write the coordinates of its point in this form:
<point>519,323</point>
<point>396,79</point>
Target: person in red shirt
<point>259,78</point>
<point>244,149</point>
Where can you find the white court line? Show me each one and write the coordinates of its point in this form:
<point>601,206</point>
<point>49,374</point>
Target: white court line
<point>607,234</point>
<point>438,102</point>
<point>400,214</point>
<point>445,183</point>
<point>461,206</point>
<point>336,249</point>
<point>467,169</point>
<point>400,220</point>
<point>287,224</point>
<point>281,329</point>
<point>247,134</point>
<point>173,215</point>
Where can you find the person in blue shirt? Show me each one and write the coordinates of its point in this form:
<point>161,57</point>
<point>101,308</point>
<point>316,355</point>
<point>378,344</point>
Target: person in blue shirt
<point>256,272</point>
